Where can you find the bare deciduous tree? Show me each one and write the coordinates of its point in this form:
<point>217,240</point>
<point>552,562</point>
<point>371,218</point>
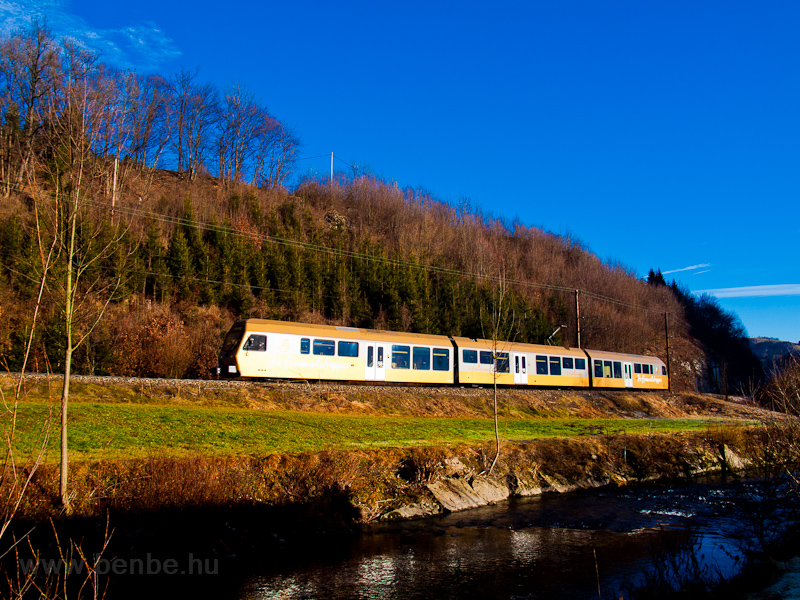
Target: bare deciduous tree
<point>276,151</point>
<point>28,65</point>
<point>194,114</point>
<point>78,116</point>
<point>502,329</point>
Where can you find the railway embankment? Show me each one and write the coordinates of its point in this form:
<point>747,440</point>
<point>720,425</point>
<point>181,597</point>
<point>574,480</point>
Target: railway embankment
<point>133,454</point>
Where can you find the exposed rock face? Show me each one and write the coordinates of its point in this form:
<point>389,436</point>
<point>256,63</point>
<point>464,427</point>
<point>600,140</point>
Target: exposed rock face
<point>733,460</point>
<point>458,494</point>
<point>418,510</point>
<point>458,487</point>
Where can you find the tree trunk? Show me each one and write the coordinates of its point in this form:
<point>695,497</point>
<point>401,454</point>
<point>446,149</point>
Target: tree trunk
<point>68,318</point>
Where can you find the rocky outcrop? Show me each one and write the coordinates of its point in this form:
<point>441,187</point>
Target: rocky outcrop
<point>456,494</point>
<point>455,486</point>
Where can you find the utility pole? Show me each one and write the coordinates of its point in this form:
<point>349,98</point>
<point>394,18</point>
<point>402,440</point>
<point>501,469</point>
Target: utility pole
<point>669,367</point>
<point>114,189</point>
<point>578,318</point>
<point>331,175</point>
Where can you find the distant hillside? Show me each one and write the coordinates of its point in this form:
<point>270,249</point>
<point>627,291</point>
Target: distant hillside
<point>768,350</point>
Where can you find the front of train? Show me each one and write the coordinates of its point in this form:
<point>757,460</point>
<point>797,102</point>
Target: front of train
<point>228,365</point>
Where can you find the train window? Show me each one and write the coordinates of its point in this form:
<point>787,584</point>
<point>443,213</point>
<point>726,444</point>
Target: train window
<point>580,364</point>
<point>567,362</point>
<point>524,368</point>
<point>617,370</point>
<point>232,339</point>
<point>486,358</point>
<point>647,369</point>
<point>541,365</point>
<point>324,347</point>
<point>255,343</point>
<point>370,356</point>
<point>555,365</point>
<point>401,356</point>
<point>471,356</point>
<point>305,346</point>
<point>422,359</point>
<point>503,363</point>
<point>608,368</point>
<point>598,368</point>
<point>441,359</point>
<point>348,349</point>
<point>637,367</point>
<point>516,364</point>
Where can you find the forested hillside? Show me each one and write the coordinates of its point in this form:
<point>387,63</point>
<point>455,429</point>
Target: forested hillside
<point>141,215</point>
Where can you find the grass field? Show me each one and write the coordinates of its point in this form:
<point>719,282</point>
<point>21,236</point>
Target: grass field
<point>117,431</point>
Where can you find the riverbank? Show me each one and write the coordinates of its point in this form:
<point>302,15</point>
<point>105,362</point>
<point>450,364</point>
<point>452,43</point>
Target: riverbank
<point>386,483</point>
<point>153,445</point>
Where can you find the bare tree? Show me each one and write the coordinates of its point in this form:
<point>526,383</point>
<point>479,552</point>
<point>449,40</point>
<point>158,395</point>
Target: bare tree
<point>238,127</point>
<point>194,112</point>
<point>79,117</point>
<point>149,120</point>
<point>502,326</point>
<point>276,153</point>
<point>28,64</point>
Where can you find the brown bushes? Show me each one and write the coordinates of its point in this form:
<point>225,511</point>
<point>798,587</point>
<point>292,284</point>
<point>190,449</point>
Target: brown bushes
<point>162,342</point>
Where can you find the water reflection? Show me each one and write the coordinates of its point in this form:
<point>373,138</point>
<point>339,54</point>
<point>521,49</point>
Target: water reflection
<point>554,546</point>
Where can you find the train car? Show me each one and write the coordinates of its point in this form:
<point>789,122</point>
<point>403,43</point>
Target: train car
<point>554,366</point>
<point>520,364</point>
<point>627,371</point>
<point>475,362</point>
<point>286,350</point>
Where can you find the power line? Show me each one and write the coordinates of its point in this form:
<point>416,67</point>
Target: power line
<point>343,253</point>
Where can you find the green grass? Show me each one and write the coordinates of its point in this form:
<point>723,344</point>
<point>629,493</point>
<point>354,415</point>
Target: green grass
<point>117,431</point>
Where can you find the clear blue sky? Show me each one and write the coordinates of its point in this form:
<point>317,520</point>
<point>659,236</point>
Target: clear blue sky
<point>661,134</point>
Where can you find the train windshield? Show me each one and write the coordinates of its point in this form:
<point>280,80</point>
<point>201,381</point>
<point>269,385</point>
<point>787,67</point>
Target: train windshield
<point>232,339</point>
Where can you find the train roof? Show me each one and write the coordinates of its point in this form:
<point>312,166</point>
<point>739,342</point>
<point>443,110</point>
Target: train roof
<point>350,333</point>
<point>503,346</point>
<point>628,357</point>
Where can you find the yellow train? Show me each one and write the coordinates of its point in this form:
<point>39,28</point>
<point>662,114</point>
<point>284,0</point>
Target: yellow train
<point>285,350</point>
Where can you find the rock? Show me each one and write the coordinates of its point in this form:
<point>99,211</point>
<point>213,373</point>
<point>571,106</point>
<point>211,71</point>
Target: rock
<point>417,510</point>
<point>458,494</point>
<point>733,460</point>
<point>490,490</point>
<point>455,494</point>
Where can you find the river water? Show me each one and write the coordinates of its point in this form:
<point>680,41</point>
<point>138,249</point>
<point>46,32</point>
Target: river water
<point>588,544</point>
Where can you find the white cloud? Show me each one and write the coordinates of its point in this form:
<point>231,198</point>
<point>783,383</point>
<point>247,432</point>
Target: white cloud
<point>139,46</point>
<point>785,289</point>
<point>692,268</point>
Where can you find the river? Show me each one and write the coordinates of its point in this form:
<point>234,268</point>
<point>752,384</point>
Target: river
<point>601,543</point>
<point>589,544</point>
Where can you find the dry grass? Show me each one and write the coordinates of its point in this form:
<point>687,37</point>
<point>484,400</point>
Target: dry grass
<point>373,481</point>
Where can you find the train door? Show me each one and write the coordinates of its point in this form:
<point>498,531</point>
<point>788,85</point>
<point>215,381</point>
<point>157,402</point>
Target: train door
<point>375,369</point>
<point>520,367</point>
<point>627,373</point>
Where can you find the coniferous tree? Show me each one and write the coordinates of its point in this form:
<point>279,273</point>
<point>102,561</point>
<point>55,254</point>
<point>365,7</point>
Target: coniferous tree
<point>179,262</point>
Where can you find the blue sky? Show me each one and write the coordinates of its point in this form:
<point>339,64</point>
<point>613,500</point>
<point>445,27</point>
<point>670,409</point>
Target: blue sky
<point>659,134</point>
